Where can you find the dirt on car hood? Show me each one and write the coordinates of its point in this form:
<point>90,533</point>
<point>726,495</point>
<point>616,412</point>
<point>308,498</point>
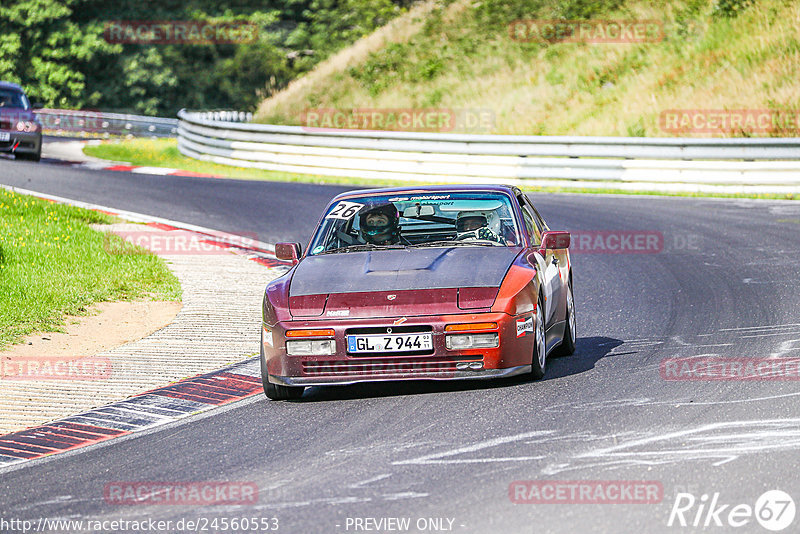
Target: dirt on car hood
<point>398,270</point>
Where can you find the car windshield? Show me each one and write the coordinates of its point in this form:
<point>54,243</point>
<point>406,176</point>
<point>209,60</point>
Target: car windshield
<point>10,98</point>
<point>432,220</point>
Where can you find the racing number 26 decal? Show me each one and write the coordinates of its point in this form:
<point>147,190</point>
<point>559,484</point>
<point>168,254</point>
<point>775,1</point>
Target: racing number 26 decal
<point>344,210</point>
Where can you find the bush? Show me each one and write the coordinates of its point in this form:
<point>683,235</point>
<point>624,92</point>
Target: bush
<point>730,8</point>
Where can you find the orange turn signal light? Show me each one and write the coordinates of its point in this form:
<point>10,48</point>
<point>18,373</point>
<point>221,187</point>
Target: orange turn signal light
<point>470,327</point>
<point>326,332</point>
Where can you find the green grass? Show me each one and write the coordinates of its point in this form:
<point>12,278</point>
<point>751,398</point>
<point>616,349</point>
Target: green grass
<point>164,153</point>
<point>53,264</point>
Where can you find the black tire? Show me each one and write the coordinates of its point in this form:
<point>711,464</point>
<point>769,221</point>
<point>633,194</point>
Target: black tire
<point>567,346</point>
<point>539,356</point>
<point>275,391</point>
<point>30,157</point>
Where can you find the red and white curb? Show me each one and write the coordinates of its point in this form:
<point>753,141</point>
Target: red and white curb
<point>258,251</point>
<point>140,412</point>
<point>70,154</point>
<point>138,169</point>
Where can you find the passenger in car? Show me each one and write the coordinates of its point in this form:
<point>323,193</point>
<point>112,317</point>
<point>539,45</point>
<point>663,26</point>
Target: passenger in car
<point>472,225</point>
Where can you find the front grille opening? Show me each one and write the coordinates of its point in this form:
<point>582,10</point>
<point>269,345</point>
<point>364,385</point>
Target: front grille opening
<point>384,366</point>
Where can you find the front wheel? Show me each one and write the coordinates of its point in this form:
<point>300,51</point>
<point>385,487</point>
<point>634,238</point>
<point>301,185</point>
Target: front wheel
<point>276,392</point>
<point>567,346</point>
<point>539,359</point>
<point>37,156</point>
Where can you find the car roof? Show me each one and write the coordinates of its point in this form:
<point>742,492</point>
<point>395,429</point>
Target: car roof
<point>10,85</point>
<point>435,189</point>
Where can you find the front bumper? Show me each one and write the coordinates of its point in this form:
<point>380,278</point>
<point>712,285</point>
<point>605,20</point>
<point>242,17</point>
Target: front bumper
<point>511,357</point>
<point>22,142</point>
<point>343,381</point>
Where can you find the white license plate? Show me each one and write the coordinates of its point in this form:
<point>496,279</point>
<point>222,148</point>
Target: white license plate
<point>5,136</point>
<point>390,343</point>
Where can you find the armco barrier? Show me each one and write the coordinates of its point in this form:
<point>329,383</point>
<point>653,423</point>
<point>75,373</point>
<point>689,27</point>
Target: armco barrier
<point>676,162</point>
<point>97,124</point>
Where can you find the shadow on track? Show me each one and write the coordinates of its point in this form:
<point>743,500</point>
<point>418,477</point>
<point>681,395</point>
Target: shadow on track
<point>588,351</point>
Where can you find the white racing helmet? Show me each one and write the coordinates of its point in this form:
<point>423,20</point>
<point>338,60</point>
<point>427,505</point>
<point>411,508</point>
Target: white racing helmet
<point>469,222</point>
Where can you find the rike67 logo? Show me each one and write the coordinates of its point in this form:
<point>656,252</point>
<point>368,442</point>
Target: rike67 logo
<point>774,510</point>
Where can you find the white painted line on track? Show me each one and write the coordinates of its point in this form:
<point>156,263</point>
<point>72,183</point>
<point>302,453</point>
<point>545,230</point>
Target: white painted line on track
<point>158,171</point>
<point>138,217</point>
<point>437,458</point>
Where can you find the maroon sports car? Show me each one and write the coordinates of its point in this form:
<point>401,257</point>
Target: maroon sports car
<point>438,283</point>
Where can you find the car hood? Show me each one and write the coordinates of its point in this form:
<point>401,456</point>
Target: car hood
<point>398,270</point>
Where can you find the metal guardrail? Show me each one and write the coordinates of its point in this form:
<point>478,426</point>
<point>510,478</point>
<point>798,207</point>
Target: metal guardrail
<point>96,124</point>
<point>486,158</point>
<point>225,116</point>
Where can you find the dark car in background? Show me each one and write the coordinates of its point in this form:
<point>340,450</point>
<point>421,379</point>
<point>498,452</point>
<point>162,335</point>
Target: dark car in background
<point>20,130</point>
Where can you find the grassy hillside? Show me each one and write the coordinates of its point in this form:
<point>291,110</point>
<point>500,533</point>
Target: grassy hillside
<point>715,54</point>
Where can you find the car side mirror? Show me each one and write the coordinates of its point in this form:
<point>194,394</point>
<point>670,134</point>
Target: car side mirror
<point>555,240</point>
<point>288,252</point>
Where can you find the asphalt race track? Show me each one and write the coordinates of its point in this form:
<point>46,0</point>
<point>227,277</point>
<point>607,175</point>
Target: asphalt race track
<point>722,282</point>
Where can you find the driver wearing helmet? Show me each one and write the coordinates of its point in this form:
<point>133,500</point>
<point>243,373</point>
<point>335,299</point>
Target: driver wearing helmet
<point>478,225</point>
<point>380,224</point>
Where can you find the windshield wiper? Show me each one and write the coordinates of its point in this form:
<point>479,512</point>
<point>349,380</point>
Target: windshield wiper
<point>361,248</point>
<point>448,243</point>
